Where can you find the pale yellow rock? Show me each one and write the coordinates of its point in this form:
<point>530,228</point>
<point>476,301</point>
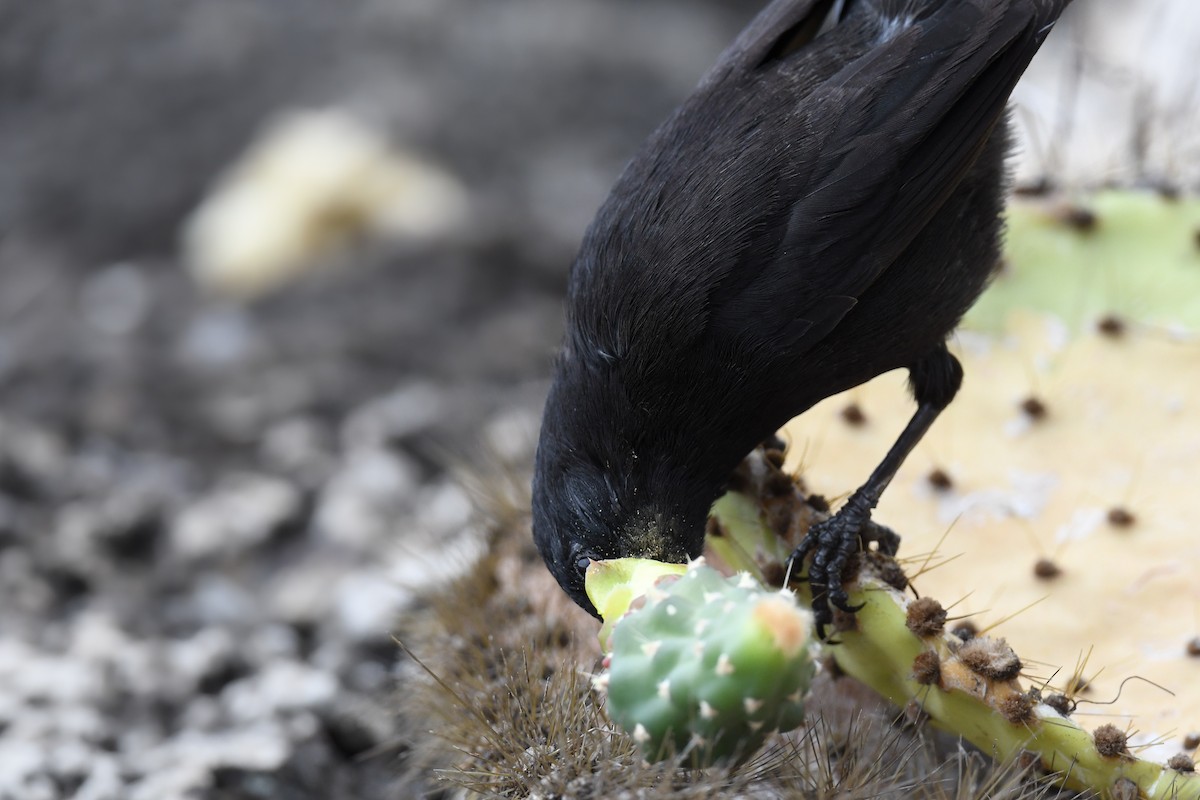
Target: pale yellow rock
<point>1122,430</point>
<point>312,182</point>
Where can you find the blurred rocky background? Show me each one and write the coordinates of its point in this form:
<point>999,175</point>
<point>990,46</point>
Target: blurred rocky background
<point>272,278</point>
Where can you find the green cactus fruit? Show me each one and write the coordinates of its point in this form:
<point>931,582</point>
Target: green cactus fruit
<point>706,666</point>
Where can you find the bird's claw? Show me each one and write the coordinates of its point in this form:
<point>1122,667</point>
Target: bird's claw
<point>831,543</point>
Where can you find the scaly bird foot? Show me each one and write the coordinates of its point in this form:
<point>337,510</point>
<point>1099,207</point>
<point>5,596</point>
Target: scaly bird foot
<point>831,543</point>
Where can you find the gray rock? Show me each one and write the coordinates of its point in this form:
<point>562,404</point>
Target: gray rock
<point>243,512</point>
<point>115,300</point>
<point>301,595</point>
<point>220,338</point>
<point>301,448</point>
<point>216,600</point>
<point>512,434</point>
<point>280,686</point>
<point>358,506</point>
<point>366,604</point>
<point>103,781</point>
<point>410,409</point>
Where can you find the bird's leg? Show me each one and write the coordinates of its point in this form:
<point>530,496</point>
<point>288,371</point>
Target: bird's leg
<point>934,380</point>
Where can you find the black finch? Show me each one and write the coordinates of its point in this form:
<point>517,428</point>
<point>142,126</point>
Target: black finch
<point>822,209</point>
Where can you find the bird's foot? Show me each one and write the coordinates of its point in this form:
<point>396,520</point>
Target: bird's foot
<point>831,544</point>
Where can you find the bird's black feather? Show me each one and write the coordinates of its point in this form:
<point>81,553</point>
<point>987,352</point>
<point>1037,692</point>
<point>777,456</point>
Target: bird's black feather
<point>822,209</point>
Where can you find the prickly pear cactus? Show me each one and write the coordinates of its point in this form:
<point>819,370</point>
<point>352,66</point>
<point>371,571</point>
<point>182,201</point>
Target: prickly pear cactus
<point>1055,497</point>
<point>1133,255</point>
<point>1051,503</point>
<point>970,684</point>
<point>708,666</point>
<point>1054,501</point>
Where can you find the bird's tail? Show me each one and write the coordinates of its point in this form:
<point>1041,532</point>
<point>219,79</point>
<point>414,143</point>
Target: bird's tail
<point>892,16</point>
<point>787,26</point>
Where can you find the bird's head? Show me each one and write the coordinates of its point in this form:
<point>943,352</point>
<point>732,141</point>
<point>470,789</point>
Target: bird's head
<point>600,493</point>
<point>580,516</point>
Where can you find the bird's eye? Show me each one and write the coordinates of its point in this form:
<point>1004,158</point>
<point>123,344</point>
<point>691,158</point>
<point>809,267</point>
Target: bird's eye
<point>582,564</point>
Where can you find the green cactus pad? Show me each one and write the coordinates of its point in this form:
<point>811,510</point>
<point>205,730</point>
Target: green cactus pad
<point>976,687</point>
<point>707,666</point>
<point>1132,254</point>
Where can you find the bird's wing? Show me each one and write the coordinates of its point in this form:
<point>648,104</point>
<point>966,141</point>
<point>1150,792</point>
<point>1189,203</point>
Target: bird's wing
<point>889,136</point>
<point>783,26</point>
